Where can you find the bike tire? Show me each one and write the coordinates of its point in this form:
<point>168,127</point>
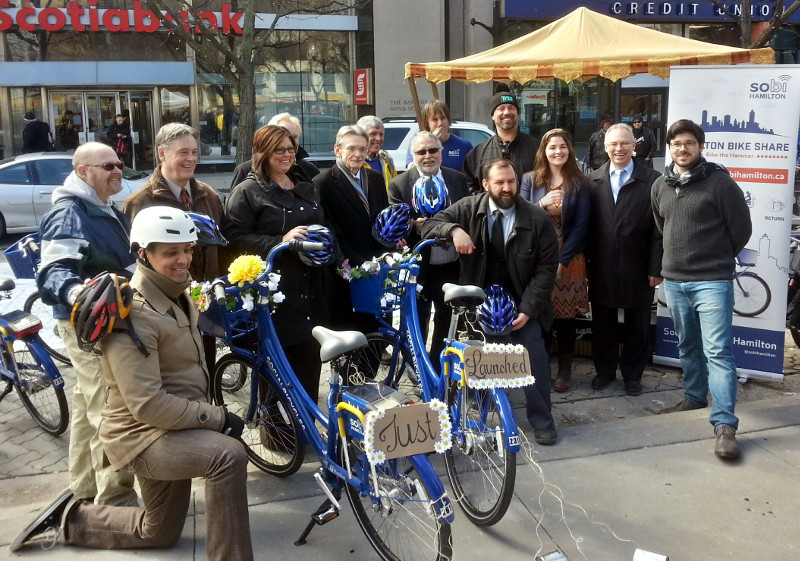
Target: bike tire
<point>46,403</point>
<point>399,526</point>
<point>751,295</point>
<point>793,322</point>
<point>367,362</point>
<point>272,438</point>
<point>52,342</point>
<point>481,469</point>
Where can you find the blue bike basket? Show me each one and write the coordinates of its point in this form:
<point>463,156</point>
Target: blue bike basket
<point>23,262</point>
<point>379,294</point>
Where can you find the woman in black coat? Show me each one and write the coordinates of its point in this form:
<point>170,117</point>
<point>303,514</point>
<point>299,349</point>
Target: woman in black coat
<point>119,138</point>
<point>269,207</point>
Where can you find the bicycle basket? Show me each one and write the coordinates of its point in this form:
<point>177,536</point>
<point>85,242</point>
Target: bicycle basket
<point>217,321</point>
<point>379,294</point>
<point>23,261</point>
<point>747,257</point>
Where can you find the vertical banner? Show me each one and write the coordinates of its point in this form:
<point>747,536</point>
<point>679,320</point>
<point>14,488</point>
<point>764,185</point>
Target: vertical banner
<point>750,116</point>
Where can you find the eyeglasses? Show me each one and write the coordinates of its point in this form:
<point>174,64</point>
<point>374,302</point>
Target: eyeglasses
<point>689,144</point>
<point>281,150</point>
<point>108,167</point>
<point>637,122</point>
<point>426,151</point>
<point>618,144</point>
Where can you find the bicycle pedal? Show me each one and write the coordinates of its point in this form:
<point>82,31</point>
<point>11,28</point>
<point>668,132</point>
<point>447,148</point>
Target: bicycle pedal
<point>327,516</point>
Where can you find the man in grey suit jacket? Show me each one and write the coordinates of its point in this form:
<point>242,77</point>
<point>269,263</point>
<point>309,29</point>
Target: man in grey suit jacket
<point>439,265</point>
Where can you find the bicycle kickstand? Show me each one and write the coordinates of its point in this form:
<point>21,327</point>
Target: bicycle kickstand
<point>9,387</point>
<point>326,512</point>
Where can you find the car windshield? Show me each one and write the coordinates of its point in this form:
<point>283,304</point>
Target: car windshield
<point>393,137</point>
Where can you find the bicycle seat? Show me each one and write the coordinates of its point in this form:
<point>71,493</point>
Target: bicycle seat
<point>6,285</point>
<point>335,343</point>
<point>463,296</point>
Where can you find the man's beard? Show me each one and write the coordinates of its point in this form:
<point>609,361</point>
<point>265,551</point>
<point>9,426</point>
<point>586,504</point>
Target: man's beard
<point>503,203</point>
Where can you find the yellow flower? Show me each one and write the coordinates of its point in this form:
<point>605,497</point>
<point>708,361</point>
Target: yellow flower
<point>246,269</point>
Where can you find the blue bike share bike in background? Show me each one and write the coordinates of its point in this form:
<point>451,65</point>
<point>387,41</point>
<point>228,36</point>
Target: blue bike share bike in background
<point>400,503</point>
<point>481,464</point>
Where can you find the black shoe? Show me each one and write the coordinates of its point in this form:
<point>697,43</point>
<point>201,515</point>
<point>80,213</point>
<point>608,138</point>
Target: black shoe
<point>49,518</point>
<point>633,387</point>
<point>545,437</point>
<point>601,381</point>
<point>685,405</point>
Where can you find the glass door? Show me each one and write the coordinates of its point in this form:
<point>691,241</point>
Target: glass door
<point>100,111</point>
<point>140,104</point>
<point>67,110</point>
<point>651,104</point>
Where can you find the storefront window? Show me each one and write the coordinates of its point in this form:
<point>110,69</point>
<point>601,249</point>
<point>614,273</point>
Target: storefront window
<point>22,100</point>
<point>25,46</point>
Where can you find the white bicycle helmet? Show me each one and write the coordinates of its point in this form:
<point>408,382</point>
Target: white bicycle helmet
<point>161,224</point>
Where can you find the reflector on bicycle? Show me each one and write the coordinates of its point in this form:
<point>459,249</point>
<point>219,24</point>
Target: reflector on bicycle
<point>22,324</point>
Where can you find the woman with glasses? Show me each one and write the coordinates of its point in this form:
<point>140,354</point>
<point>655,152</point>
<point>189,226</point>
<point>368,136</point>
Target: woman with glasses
<point>557,185</point>
<point>273,205</point>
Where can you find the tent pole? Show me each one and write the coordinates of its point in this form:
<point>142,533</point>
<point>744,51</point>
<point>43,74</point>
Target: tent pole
<point>435,90</point>
<point>412,84</point>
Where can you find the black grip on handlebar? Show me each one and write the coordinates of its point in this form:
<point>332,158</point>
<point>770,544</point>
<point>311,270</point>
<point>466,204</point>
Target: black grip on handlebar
<point>300,245</point>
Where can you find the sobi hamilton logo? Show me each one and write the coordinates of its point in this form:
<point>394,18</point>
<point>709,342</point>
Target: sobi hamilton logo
<point>772,89</point>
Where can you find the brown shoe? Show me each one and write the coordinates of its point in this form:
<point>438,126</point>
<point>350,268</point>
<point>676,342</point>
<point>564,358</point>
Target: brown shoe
<point>564,373</point>
<point>685,405</point>
<point>727,448</point>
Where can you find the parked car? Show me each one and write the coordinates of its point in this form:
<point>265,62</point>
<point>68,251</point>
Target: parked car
<point>27,183</point>
<point>400,131</point>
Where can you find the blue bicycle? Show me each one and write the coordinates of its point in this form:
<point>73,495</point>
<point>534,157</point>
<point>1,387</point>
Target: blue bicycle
<point>481,464</point>
<point>400,503</point>
<point>26,367</point>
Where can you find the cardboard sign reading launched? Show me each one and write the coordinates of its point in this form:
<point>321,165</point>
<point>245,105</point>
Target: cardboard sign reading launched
<point>493,369</point>
<point>405,431</point>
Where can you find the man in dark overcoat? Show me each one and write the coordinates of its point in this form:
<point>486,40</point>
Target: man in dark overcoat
<point>623,262</point>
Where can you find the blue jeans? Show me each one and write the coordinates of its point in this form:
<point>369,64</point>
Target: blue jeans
<point>703,314</point>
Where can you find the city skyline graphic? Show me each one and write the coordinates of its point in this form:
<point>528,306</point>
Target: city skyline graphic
<point>728,124</point>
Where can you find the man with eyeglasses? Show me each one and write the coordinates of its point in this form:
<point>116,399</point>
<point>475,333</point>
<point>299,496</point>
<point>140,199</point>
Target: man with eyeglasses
<point>439,265</point>
<point>706,223</point>
<point>645,147</point>
<point>623,258</point>
<point>84,234</point>
<point>509,143</point>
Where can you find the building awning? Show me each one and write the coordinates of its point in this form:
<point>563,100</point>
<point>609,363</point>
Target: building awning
<point>96,73</point>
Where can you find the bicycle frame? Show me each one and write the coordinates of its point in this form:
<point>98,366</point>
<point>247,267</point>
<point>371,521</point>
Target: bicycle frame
<point>270,360</point>
<point>10,331</point>
<point>432,384</point>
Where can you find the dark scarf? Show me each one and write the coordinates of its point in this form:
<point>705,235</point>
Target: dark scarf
<point>702,170</point>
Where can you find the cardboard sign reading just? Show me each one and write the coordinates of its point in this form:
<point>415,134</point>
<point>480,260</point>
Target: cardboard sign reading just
<point>404,431</point>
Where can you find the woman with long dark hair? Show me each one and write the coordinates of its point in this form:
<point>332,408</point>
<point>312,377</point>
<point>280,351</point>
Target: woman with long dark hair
<point>557,185</point>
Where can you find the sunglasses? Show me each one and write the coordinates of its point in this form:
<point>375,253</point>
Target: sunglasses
<point>108,167</point>
<point>505,150</point>
<point>635,122</point>
<point>426,151</point>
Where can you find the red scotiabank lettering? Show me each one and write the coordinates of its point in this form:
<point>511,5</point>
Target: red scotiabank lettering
<point>114,20</point>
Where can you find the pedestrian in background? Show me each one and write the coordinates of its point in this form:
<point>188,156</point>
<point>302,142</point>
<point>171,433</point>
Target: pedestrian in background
<point>436,119</point>
<point>596,154</point>
<point>624,262</point>
<point>705,221</point>
<point>645,146</point>
<point>66,132</point>
<point>119,135</point>
<point>557,185</point>
<point>35,135</point>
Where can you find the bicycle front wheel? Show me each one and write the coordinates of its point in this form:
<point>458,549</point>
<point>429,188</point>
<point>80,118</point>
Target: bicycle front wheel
<point>482,471</point>
<point>271,436</point>
<point>46,403</point>
<point>397,516</point>
<point>751,295</point>
<point>50,339</point>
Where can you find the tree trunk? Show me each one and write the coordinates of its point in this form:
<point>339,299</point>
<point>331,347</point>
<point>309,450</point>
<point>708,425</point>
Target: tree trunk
<point>247,89</point>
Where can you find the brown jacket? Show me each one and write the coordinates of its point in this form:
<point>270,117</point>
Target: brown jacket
<point>168,390</point>
<point>156,192</point>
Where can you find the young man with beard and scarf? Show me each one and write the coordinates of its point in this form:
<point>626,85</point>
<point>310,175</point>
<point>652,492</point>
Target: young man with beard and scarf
<point>526,268</point>
<point>705,221</point>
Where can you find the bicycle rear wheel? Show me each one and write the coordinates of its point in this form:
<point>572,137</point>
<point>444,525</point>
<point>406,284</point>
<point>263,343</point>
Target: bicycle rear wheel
<point>482,471</point>
<point>51,340</point>
<point>375,361</point>
<point>396,517</point>
<point>751,295</point>
<point>271,437</point>
<point>46,403</point>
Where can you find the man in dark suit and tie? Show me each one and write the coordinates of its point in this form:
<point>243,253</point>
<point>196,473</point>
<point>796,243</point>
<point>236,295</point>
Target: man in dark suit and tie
<point>439,265</point>
<point>623,261</point>
<point>351,195</point>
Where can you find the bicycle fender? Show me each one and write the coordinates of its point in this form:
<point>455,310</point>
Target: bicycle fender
<point>507,418</point>
<point>442,506</point>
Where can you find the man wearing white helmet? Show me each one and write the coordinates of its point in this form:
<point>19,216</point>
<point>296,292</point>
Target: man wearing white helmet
<point>157,420</point>
<point>84,234</point>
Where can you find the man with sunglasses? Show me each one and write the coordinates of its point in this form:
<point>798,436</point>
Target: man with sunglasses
<point>706,223</point>
<point>84,234</point>
<point>439,266</point>
<point>509,143</point>
<point>645,148</point>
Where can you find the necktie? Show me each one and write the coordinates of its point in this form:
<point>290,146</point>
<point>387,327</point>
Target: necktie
<point>498,239</point>
<point>187,202</point>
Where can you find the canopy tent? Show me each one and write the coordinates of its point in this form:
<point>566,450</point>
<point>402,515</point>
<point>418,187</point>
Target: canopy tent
<point>580,46</point>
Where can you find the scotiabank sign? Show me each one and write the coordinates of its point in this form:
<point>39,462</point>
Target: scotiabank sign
<point>361,86</point>
<point>77,17</point>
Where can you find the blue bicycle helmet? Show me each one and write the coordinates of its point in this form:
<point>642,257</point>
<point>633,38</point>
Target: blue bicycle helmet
<point>207,230</point>
<point>497,311</point>
<point>392,224</point>
<point>429,195</point>
<point>319,234</point>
